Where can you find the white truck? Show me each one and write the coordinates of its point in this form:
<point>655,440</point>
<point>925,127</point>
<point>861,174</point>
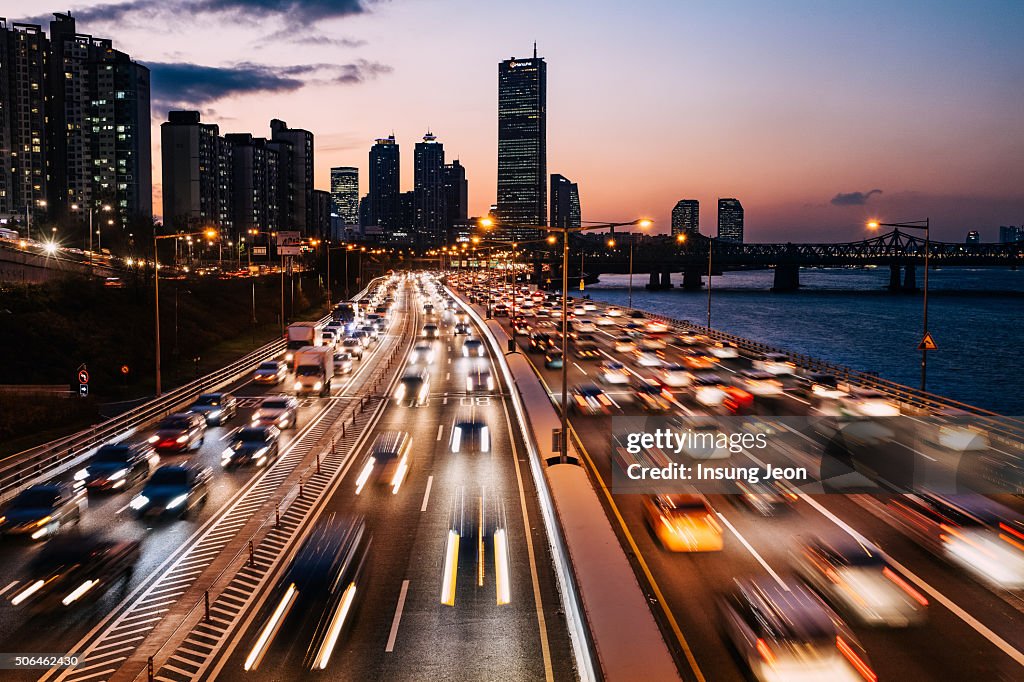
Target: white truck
<point>300,335</point>
<point>314,369</point>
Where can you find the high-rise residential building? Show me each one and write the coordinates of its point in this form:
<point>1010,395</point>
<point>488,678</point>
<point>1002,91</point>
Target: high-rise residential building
<point>686,217</point>
<point>973,238</point>
<point>364,212</point>
<point>522,144</point>
<point>23,174</point>
<point>428,189</point>
<point>256,176</point>
<point>384,184</point>
<point>322,205</point>
<point>197,174</point>
<point>297,213</point>
<point>565,202</point>
<point>456,197</point>
<point>730,220</point>
<point>345,193</point>
<point>405,233</point>
<point>1011,234</point>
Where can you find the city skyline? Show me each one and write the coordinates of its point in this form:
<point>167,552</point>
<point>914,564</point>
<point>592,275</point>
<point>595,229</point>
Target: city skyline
<point>855,103</point>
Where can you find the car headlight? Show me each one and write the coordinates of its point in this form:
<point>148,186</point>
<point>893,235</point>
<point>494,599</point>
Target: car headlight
<point>259,453</point>
<point>317,386</point>
<point>139,502</point>
<point>177,502</point>
<point>215,414</point>
<point>256,416</point>
<point>153,439</point>
<point>181,439</point>
<point>119,474</point>
<point>298,385</point>
<point>400,392</point>
<point>81,474</point>
<point>227,453</point>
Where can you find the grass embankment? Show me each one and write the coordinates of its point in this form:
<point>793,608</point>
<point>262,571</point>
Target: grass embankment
<point>48,331</point>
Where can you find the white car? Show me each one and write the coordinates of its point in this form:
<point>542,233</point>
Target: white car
<point>613,312</point>
<point>614,373</point>
<point>280,411</point>
<point>624,344</point>
<point>423,352</point>
<point>589,307</point>
<point>774,363</point>
<point>724,349</point>
<point>760,384</point>
<point>676,376</point>
<point>473,348</point>
<point>649,360</point>
<point>604,321</point>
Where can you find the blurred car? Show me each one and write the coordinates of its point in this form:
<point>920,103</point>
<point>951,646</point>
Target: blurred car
<point>708,389</point>
<point>587,351</point>
<point>479,379</point>
<point>785,632</point>
<point>343,363</point>
<point>683,523</point>
<point>759,384</point>
<point>554,359</point>
<point>764,497</point>
<point>461,328</point>
<point>312,605</point>
<point>470,434</point>
<point>724,349</point>
<point>604,321</point>
<point>652,343</point>
<point>541,342</point>
<point>71,569</point>
<point>774,363</point>
<point>651,396</point>
<point>422,352</point>
<point>589,399</point>
<point>328,337</point>
<point>270,372</point>
<point>473,348</point>
<point>856,578</point>
<point>871,403</point>
<point>695,359</point>
<point>42,510</point>
<point>173,490</point>
<point>257,445</point>
<point>353,347</point>
<point>676,376</point>
<point>179,432</point>
<point>218,408</point>
<point>647,359</point>
<point>116,466</point>
<point>281,411</point>
<point>390,458</point>
<point>613,373</point>
<point>413,388</point>
<point>361,336</point>
<point>737,401</point>
<point>430,331</point>
<point>624,344</point>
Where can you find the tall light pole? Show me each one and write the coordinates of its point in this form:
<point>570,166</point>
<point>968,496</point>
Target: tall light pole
<point>91,211</point>
<point>925,336</point>
<point>711,245</point>
<point>487,223</point>
<point>156,292</point>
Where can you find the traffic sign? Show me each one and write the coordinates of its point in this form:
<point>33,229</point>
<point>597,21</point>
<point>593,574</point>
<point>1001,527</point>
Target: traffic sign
<point>259,251</point>
<point>125,369</point>
<point>83,390</point>
<point>289,243</point>
<point>927,343</point>
<point>83,376</point>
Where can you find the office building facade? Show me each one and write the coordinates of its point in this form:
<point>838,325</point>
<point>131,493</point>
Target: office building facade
<point>196,163</point>
<point>345,193</point>
<point>686,217</point>
<point>384,184</point>
<point>1011,234</point>
<point>522,145</point>
<point>428,192</point>
<point>456,197</point>
<point>565,202</point>
<point>730,220</point>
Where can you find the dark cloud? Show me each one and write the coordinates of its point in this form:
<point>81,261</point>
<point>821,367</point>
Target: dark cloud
<point>359,71</point>
<point>294,12</point>
<point>853,198</point>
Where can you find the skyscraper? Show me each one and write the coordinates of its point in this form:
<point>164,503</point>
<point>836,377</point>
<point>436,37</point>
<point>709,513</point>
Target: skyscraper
<point>384,184</point>
<point>565,202</point>
<point>730,220</point>
<point>345,193</point>
<point>297,180</point>
<point>197,174</point>
<point>522,144</point>
<point>428,189</point>
<point>1010,234</point>
<point>456,196</point>
<point>686,217</point>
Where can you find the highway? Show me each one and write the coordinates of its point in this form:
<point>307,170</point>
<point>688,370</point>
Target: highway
<point>974,630</point>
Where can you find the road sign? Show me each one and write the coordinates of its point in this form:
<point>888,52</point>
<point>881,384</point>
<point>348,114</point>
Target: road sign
<point>83,390</point>
<point>288,243</point>
<point>927,343</point>
<point>125,369</point>
<point>259,251</point>
<point>83,376</point>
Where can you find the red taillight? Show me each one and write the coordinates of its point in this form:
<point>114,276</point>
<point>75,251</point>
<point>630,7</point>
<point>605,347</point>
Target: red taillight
<point>849,654</point>
<point>904,585</point>
<point>766,653</point>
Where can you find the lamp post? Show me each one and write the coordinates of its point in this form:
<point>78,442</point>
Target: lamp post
<point>28,217</point>
<point>91,211</point>
<point>156,291</point>
<point>486,223</point>
<point>711,244</point>
<point>917,225</point>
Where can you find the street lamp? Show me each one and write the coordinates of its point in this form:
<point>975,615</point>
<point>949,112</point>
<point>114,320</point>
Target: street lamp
<point>210,234</point>
<point>925,336</point>
<point>92,212</point>
<point>563,454</point>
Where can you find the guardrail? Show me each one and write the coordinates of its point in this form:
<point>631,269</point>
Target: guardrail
<point>49,459</point>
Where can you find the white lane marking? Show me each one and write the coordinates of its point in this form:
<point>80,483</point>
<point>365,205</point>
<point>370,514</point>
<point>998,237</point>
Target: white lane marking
<point>398,617</point>
<point>440,430</point>
<point>445,401</point>
<point>447,376</point>
<point>753,552</point>
<point>122,509</point>
<point>426,493</point>
<point>973,622</point>
<point>6,589</point>
<point>230,433</point>
<point>580,369</point>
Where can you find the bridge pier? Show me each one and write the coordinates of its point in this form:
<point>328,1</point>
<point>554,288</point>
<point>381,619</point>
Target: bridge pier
<point>658,281</point>
<point>692,279</point>
<point>787,278</point>
<point>894,277</point>
<point>666,280</point>
<point>910,278</point>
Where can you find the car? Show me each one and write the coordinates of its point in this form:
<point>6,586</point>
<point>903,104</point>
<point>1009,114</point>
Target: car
<point>70,570</point>
<point>257,445</point>
<point>589,307</point>
<point>613,373</point>
<point>371,332</point>
<point>612,311</point>
<point>473,348</point>
<point>774,363</point>
<point>764,497</point>
<point>604,321</point>
<point>540,342</point>
<point>461,329</point>
<point>413,388</point>
<point>422,352</point>
<point>554,359</point>
<point>646,359</point>
<point>857,579</point>
<point>43,510</point>
<point>624,344</point>
<point>172,490</point>
<point>708,389</point>
<point>479,379</point>
<point>694,359</point>
<point>328,337</point>
<point>651,396</point>
<point>759,384</point>
<point>270,372</point>
<point>281,411</point>
<point>353,347</point>
<point>676,376</point>
<point>179,432</point>
<point>117,466</point>
<point>588,399</point>
<point>737,401</point>
<point>361,336</point>
<point>430,331</point>
<point>587,351</point>
<point>724,350</point>
<point>470,434</point>
<point>500,310</point>
<point>218,408</point>
<point>390,458</point>
<point>683,523</point>
<point>785,632</point>
<point>342,363</point>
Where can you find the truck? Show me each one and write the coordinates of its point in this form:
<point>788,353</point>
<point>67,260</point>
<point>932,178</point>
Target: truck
<point>314,369</point>
<point>299,335</point>
<point>344,312</point>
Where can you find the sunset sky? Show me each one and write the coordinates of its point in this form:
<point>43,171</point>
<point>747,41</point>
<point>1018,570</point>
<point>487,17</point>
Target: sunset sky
<point>802,110</point>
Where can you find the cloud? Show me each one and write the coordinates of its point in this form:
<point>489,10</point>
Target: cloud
<point>853,198</point>
<point>183,84</point>
<point>296,12</point>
